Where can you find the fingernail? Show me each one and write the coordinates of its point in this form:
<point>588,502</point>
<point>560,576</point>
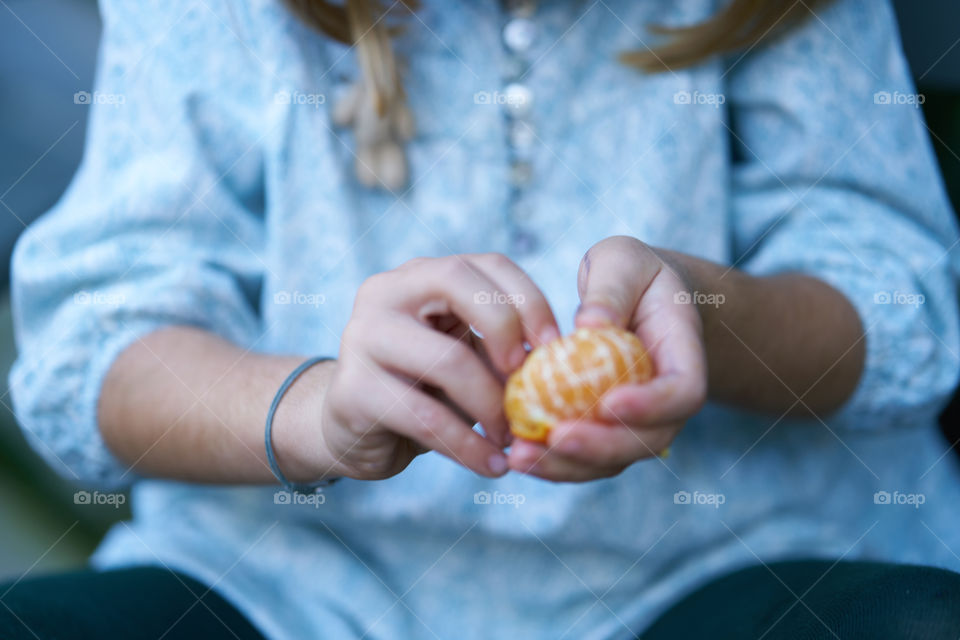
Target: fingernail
<point>598,313</point>
<point>517,356</point>
<point>549,334</point>
<point>608,411</point>
<point>497,464</point>
<point>616,410</point>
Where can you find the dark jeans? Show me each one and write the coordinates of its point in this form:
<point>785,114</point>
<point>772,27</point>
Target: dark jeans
<point>148,603</point>
<point>807,599</point>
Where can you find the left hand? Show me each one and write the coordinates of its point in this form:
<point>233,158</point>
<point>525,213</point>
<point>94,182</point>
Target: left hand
<point>624,282</point>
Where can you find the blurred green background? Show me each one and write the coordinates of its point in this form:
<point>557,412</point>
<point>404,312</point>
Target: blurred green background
<point>47,53</point>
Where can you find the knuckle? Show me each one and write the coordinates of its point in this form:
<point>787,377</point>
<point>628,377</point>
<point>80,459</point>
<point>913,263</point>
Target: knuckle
<point>623,242</point>
<point>346,380</point>
<point>371,289</point>
<point>428,417</point>
<point>498,260</point>
<point>374,468</point>
<point>453,268</point>
<point>337,400</point>
<point>354,336</point>
<point>452,360</point>
<point>417,262</point>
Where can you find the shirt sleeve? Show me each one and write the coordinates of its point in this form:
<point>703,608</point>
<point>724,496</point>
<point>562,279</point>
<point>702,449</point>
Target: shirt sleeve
<point>159,227</point>
<point>834,176</point>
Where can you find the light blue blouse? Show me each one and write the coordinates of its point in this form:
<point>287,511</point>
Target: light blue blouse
<point>204,199</point>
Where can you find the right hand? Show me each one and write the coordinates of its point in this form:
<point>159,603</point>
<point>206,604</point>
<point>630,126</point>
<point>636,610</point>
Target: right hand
<point>413,377</point>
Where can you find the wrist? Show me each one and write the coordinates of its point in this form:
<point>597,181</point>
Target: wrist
<point>297,431</point>
<point>710,286</point>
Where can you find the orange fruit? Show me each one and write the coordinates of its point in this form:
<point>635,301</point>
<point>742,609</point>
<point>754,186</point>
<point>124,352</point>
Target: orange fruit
<point>564,379</point>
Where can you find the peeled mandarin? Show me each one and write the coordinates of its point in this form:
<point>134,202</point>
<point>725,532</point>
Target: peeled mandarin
<point>565,379</point>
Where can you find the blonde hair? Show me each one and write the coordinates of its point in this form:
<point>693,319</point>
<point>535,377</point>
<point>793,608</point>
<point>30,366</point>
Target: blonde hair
<point>377,109</point>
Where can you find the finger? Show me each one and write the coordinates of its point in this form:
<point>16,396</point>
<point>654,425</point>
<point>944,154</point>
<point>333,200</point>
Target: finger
<point>669,398</point>
<point>608,445</point>
<point>537,319</point>
<point>403,345</point>
<point>412,413</point>
<point>453,284</point>
<point>453,327</point>
<point>535,459</point>
<point>674,336</point>
<point>611,281</point>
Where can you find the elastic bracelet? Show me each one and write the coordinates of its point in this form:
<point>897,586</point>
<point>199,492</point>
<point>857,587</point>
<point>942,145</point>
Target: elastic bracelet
<point>271,455</point>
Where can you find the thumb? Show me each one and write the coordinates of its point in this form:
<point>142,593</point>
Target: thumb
<point>610,282</point>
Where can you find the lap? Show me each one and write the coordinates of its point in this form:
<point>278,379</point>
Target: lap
<point>819,599</point>
<point>143,602</point>
<point>797,599</point>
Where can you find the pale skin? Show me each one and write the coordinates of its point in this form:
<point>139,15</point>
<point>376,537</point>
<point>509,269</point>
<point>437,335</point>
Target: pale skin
<point>411,378</point>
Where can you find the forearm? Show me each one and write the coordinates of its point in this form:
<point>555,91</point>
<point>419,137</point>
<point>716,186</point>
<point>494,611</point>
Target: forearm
<point>787,342</point>
<point>183,403</point>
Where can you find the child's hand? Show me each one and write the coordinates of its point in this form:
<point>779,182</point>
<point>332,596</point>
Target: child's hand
<point>626,283</point>
<point>411,376</point>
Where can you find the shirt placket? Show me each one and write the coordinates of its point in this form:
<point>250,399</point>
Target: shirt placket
<point>519,37</point>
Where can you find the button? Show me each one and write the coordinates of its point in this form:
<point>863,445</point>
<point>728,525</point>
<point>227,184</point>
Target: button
<point>519,34</point>
<point>521,136</point>
<point>519,99</point>
<point>521,173</point>
<point>523,242</point>
<point>522,211</point>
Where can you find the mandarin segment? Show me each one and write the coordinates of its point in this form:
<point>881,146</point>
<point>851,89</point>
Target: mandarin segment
<point>565,379</point>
